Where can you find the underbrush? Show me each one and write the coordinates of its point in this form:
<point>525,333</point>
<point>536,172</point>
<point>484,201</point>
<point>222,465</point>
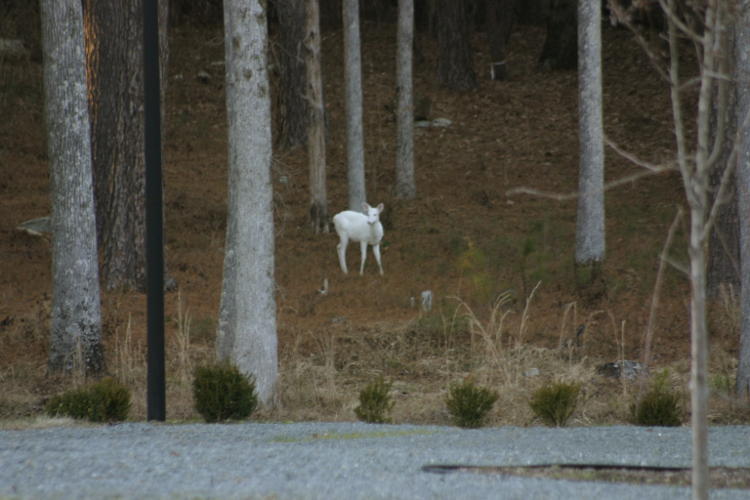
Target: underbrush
<point>322,373</point>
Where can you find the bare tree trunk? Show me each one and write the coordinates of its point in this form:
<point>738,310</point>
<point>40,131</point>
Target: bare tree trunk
<point>316,139</point>
<point>742,69</point>
<point>559,50</point>
<point>247,326</point>
<point>500,17</point>
<point>405,185</point>
<point>455,68</point>
<point>355,150</point>
<point>590,241</point>
<point>114,39</point>
<point>294,107</point>
<point>75,338</point>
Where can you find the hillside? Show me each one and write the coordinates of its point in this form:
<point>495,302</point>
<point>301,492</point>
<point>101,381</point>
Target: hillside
<point>463,238</point>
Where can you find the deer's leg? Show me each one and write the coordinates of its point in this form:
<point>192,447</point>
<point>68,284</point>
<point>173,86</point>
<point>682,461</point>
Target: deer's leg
<point>363,251</point>
<point>341,248</point>
<point>376,252</point>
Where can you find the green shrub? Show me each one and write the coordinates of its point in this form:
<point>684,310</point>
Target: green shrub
<point>222,392</point>
<point>375,403</point>
<point>555,403</point>
<point>469,404</point>
<point>104,401</point>
<point>660,406</point>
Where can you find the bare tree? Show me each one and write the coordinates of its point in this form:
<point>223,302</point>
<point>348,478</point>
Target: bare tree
<point>455,67</point>
<point>75,339</point>
<point>293,105</point>
<point>590,242</point>
<point>695,173</point>
<point>247,316</point>
<point>114,40</point>
<point>355,149</point>
<point>405,185</point>
<point>316,139</point>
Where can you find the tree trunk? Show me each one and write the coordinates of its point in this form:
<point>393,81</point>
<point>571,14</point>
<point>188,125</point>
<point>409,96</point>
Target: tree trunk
<point>723,269</point>
<point>294,108</point>
<point>590,241</point>
<point>75,338</point>
<point>355,151</point>
<point>500,17</point>
<point>559,50</point>
<point>114,48</point>
<point>330,14</point>
<point>247,326</point>
<point>405,185</point>
<point>742,70</point>
<point>316,140</point>
<point>455,68</point>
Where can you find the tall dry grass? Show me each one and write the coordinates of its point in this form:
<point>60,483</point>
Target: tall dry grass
<point>322,372</point>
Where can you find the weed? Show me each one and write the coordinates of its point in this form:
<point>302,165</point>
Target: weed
<point>555,403</point>
<point>375,403</point>
<point>222,392</point>
<point>469,404</point>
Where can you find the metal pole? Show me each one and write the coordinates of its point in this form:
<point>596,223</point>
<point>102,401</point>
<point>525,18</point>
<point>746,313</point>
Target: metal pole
<point>154,224</point>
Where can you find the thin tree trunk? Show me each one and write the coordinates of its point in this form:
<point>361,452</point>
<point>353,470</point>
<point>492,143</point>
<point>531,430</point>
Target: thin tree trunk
<point>316,140</point>
<point>247,327</point>
<point>590,241</point>
<point>405,184</point>
<point>75,337</point>
<point>355,151</point>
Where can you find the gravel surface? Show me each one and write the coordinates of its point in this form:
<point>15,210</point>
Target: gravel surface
<point>338,461</point>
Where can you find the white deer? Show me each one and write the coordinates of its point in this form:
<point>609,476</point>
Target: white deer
<point>364,227</point>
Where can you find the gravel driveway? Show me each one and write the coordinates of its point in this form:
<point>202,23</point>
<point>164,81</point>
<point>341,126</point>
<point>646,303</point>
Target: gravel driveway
<point>338,461</point>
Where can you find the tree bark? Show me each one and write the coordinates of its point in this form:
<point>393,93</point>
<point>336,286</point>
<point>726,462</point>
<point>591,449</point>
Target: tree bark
<point>293,106</point>
<point>742,69</point>
<point>455,67</point>
<point>355,151</point>
<point>405,184</point>
<point>75,337</point>
<point>559,50</point>
<point>247,317</point>
<point>316,140</point>
<point>590,241</point>
<point>114,48</point>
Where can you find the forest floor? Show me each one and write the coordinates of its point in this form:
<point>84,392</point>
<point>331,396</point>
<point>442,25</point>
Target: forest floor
<point>464,238</point>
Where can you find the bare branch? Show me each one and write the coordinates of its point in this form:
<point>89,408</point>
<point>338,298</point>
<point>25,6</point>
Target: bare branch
<point>630,156</point>
<point>573,195</point>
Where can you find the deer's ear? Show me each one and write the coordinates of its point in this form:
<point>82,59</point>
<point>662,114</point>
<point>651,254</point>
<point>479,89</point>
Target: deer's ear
<point>380,207</point>
<point>365,206</point>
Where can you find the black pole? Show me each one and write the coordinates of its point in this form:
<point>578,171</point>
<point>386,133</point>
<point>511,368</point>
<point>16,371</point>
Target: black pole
<point>154,224</point>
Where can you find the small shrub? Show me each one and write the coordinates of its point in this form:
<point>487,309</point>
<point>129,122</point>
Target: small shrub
<point>660,406</point>
<point>469,404</point>
<point>555,403</point>
<point>374,402</point>
<point>222,392</point>
<point>104,401</point>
